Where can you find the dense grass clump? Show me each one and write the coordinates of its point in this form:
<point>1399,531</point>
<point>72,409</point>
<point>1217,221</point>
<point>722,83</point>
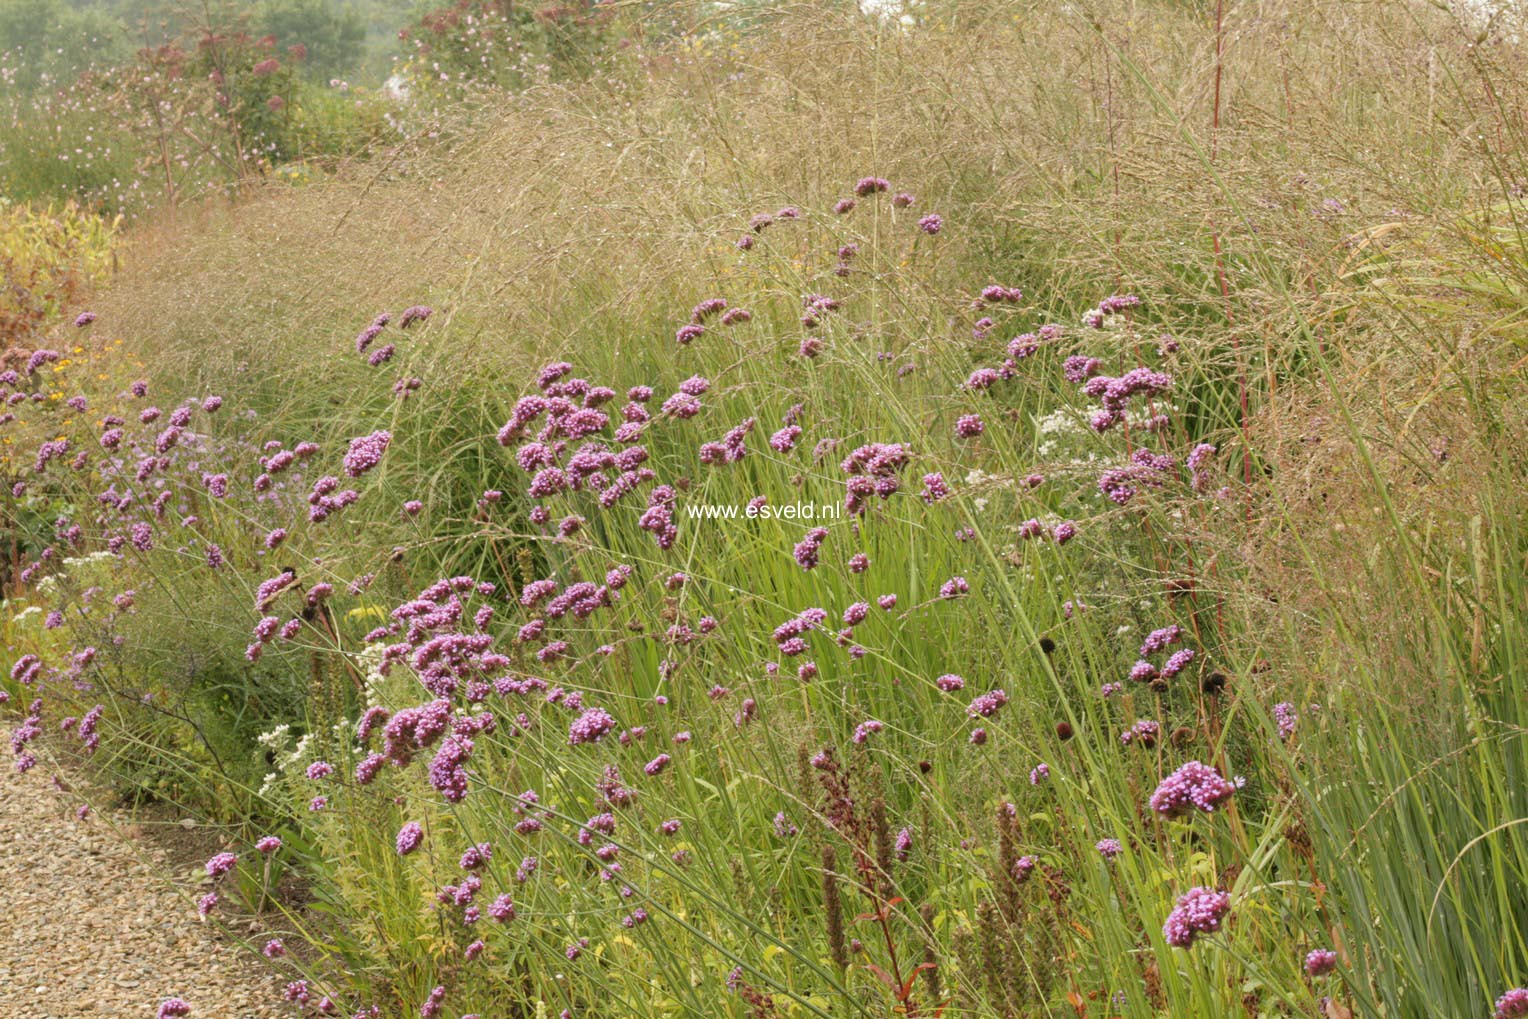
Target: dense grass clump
<point>1010,512</point>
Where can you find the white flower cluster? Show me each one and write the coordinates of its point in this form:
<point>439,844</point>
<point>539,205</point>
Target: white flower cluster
<point>291,756</point>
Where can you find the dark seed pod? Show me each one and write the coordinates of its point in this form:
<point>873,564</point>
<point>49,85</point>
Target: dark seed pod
<point>1214,683</point>
<point>1047,645</point>
<point>1064,730</point>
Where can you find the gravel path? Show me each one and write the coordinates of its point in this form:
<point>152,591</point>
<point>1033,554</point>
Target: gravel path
<point>89,929</point>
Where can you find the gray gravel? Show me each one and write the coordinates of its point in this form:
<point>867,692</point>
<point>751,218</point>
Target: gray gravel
<point>90,927</point>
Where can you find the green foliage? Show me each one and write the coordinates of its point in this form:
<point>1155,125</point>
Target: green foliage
<point>333,33</point>
<point>47,43</point>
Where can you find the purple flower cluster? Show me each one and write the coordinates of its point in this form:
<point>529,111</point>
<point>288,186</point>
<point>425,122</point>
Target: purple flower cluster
<point>1145,732</point>
<point>1513,1004</point>
<point>731,448</point>
<point>1094,318</point>
<point>1321,961</point>
<point>1199,911</point>
<point>590,727</point>
<point>410,837</point>
<point>221,864</point>
<point>809,547</point>
<point>366,452</point>
<point>987,704</point>
<point>873,470</point>
<point>1194,786</point>
<point>1115,393</point>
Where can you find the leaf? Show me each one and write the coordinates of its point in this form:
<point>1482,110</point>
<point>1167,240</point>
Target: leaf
<point>907,985</point>
<point>1336,1010</point>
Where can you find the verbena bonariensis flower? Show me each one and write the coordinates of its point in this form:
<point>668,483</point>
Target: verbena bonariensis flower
<point>1195,463</point>
<point>1079,368</point>
<point>707,308</point>
<point>270,589</point>
<point>986,705</point>
<point>1321,961</point>
<point>1177,662</point>
<point>417,313</point>
<point>969,426</point>
<point>866,729</point>
<point>1039,773</point>
<point>784,440</point>
<point>868,186</point>
<point>931,224</point>
<point>410,836</point>
<point>590,727</point>
<point>173,1008</point>
<point>872,469</point>
<point>431,1005</point>
<point>1513,1004</point>
<point>808,548</point>
<point>982,378</point>
<point>1115,393</point>
<point>39,358</point>
<point>1284,715</point>
<point>366,452</point>
<point>1095,317</point>
<point>1108,848</point>
<point>998,294</point>
<point>955,587</point>
<point>221,864</point>
<point>1158,640</point>
<point>1194,786</point>
<point>1145,732</point>
<point>1199,911</point>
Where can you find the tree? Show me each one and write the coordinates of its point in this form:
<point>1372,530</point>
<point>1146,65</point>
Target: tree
<point>333,35</point>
